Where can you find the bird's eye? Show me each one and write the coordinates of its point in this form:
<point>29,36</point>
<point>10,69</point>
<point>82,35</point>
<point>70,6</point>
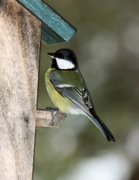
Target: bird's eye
<point>60,55</point>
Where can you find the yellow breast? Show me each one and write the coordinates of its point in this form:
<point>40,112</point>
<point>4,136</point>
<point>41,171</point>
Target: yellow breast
<point>62,103</point>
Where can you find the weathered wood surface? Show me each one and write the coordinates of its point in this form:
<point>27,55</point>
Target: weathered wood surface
<point>19,55</point>
<point>19,59</point>
<point>19,62</point>
<point>54,118</point>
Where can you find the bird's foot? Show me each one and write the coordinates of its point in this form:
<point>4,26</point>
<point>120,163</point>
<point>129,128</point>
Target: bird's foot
<point>54,112</point>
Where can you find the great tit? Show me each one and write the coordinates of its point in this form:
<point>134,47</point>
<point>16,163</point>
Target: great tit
<point>67,89</point>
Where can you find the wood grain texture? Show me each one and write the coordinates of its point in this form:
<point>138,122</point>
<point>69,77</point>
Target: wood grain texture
<point>54,28</point>
<point>19,58</point>
<point>19,62</point>
<point>49,118</point>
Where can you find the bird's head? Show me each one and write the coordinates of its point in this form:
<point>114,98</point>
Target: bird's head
<point>63,59</point>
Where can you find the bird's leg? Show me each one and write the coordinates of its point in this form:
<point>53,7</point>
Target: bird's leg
<point>54,112</point>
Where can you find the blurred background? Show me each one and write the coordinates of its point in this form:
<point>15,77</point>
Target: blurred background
<point>107,48</point>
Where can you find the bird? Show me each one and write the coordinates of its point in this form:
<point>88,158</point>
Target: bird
<point>66,87</point>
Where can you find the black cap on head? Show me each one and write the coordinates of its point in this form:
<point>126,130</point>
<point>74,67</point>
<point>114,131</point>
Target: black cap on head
<point>64,54</point>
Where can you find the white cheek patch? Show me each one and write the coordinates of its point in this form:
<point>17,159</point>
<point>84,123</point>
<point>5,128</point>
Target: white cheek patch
<point>64,64</point>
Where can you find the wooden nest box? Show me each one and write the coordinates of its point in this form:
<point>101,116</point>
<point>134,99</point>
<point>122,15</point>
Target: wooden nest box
<point>21,24</point>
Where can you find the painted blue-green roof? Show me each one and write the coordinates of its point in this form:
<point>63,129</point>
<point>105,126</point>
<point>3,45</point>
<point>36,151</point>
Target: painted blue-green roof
<point>54,28</point>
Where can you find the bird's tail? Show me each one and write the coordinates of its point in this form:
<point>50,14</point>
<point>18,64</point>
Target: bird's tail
<point>100,125</point>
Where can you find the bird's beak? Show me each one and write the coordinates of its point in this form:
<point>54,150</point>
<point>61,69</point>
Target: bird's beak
<point>51,55</point>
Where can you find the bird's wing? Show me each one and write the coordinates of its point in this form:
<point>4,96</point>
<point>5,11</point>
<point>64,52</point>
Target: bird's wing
<point>79,95</point>
<point>71,85</point>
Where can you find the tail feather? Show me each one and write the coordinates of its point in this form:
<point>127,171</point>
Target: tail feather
<point>100,125</point>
